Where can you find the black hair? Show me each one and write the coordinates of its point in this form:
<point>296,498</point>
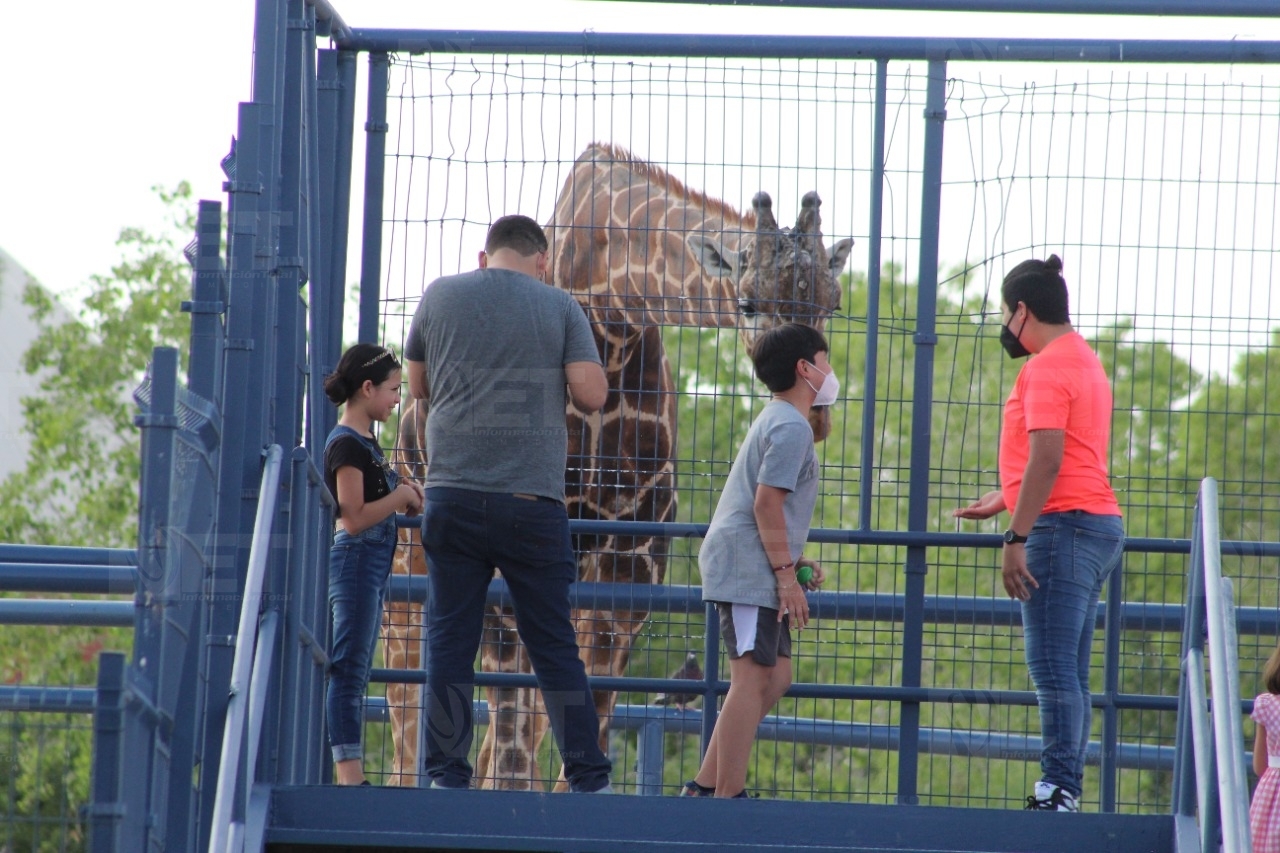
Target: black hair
<point>516,232</point>
<point>777,350</point>
<point>1040,286</point>
<point>359,363</point>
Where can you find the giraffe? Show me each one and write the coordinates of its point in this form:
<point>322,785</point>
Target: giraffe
<point>638,250</point>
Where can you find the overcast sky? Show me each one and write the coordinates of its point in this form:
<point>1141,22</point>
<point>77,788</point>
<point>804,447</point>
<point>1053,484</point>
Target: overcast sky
<point>102,101</point>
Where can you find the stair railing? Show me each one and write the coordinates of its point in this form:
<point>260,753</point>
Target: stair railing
<point>227,832</point>
<point>1209,770</point>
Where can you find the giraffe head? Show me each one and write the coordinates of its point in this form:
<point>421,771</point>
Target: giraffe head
<point>779,275</point>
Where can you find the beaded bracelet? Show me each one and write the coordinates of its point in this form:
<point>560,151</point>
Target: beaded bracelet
<point>784,567</point>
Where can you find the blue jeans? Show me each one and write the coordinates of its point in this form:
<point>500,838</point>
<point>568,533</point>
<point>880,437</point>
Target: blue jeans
<point>466,534</point>
<point>1070,554</point>
<point>359,572</point>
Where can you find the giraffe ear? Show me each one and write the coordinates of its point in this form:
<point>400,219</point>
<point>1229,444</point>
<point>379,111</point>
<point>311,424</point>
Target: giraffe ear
<point>839,253</point>
<point>713,255</point>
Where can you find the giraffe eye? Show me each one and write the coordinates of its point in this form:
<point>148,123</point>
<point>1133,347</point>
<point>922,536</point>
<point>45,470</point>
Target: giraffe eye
<point>746,306</point>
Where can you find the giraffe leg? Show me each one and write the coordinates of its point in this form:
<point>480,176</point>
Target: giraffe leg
<point>402,649</point>
<point>507,759</point>
<point>403,622</point>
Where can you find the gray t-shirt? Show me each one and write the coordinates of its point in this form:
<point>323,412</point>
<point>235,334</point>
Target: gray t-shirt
<point>495,343</point>
<point>778,451</point>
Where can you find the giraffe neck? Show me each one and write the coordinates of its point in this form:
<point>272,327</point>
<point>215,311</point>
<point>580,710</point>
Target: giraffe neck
<point>619,244</point>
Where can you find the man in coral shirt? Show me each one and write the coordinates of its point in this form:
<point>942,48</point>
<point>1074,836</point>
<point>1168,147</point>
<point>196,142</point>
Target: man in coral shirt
<point>1065,535</point>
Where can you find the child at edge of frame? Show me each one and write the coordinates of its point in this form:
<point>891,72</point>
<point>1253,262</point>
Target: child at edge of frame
<point>1264,809</point>
<point>752,551</point>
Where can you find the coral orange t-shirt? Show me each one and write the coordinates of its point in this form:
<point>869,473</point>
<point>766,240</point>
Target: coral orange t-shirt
<point>1062,387</point>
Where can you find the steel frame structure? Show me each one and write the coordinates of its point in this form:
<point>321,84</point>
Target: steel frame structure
<point>160,718</point>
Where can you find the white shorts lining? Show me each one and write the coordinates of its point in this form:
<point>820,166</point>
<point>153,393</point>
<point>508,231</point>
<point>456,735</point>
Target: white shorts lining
<point>745,618</point>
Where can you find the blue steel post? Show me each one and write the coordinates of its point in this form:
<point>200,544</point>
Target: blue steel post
<point>335,116</point>
<point>208,303</point>
<point>341,209</point>
<point>319,204</point>
<point>268,54</point>
<point>1193,626</point>
<point>710,674</point>
<point>295,669</point>
<point>865,476</point>
<point>1110,739</point>
<point>175,595</point>
<point>150,669</point>
<point>320,413</point>
<point>926,339</point>
<point>105,810</point>
<point>650,758</point>
<point>245,355</point>
<point>294,210</point>
<point>321,360</point>
<point>322,512</point>
<point>207,308</point>
<point>374,167</point>
<point>290,340</point>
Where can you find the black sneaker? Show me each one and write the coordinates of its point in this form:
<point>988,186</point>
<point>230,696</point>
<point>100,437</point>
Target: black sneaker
<point>693,789</point>
<point>1050,798</point>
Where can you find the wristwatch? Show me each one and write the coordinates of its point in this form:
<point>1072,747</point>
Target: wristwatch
<point>1011,538</point>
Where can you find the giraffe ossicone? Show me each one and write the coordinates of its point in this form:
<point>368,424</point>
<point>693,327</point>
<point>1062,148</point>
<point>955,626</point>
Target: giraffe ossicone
<point>638,249</point>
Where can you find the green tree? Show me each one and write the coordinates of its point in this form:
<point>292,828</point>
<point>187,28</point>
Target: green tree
<point>84,462</point>
<point>80,487</point>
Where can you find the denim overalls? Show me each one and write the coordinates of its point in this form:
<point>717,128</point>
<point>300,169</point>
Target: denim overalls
<point>359,575</point>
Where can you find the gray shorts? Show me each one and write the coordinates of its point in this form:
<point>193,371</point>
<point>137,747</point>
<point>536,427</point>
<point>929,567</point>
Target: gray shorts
<point>758,632</point>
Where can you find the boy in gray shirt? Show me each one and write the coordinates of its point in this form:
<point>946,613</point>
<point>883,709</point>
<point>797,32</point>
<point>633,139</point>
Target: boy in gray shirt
<point>751,552</point>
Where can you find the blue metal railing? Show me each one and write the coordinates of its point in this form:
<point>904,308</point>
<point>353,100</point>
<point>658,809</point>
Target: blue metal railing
<point>1210,766</point>
<point>849,605</point>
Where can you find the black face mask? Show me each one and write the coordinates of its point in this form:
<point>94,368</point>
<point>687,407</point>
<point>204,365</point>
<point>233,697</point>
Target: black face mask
<point>1010,341</point>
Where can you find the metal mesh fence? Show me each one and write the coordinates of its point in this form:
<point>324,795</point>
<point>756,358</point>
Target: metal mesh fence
<point>1158,187</point>
<point>44,774</point>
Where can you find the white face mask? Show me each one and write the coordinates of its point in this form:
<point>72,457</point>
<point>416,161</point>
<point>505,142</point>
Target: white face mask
<point>826,395</point>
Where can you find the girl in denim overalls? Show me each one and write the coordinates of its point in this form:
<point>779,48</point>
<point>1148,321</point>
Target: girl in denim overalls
<point>369,494</point>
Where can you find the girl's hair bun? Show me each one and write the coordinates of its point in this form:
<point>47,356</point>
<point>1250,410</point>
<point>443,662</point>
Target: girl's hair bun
<point>359,363</point>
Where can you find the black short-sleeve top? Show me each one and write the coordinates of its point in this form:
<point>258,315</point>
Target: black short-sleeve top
<point>346,447</point>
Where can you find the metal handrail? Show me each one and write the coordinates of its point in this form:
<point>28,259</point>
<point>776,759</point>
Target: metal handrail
<point>242,667</point>
<point>1223,805</point>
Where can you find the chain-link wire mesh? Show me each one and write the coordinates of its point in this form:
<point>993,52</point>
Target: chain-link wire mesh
<point>1158,188</point>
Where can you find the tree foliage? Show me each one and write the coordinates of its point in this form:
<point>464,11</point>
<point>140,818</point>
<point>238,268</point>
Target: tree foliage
<point>80,484</point>
<point>80,487</point>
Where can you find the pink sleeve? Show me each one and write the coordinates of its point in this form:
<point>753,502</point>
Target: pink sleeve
<point>1046,400</point>
<point>1266,710</point>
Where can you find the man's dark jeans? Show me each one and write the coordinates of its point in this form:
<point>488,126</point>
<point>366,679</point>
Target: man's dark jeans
<point>466,534</point>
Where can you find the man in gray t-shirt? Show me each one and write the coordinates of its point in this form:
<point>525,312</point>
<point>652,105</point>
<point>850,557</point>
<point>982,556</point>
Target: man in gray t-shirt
<point>498,347</point>
<point>494,351</point>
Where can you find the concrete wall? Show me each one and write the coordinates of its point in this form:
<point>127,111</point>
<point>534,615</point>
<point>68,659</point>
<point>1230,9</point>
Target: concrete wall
<point>15,383</point>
